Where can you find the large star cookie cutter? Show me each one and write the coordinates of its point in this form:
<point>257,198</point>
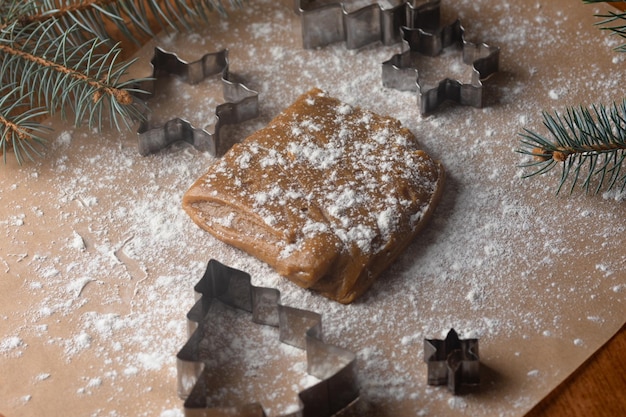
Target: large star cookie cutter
<point>400,71</point>
<point>334,366</point>
<point>325,22</point>
<point>241,103</point>
<point>452,362</point>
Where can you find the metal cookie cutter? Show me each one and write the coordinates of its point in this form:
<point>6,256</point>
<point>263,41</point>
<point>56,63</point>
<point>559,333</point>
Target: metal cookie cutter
<point>326,23</point>
<point>400,71</point>
<point>452,362</point>
<point>334,366</point>
<point>241,103</point>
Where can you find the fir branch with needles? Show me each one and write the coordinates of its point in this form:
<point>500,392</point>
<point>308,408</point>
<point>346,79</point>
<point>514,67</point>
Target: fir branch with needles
<point>589,143</point>
<point>65,75</point>
<point>613,21</point>
<point>20,127</point>
<point>131,18</point>
<point>66,57</point>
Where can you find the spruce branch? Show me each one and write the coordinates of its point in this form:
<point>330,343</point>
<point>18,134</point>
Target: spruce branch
<point>58,74</point>
<point>20,132</point>
<point>613,21</point>
<point>590,144</point>
<point>131,18</point>
<point>65,56</point>
<point>13,10</point>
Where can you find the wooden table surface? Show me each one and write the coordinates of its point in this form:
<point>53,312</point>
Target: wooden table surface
<point>596,389</point>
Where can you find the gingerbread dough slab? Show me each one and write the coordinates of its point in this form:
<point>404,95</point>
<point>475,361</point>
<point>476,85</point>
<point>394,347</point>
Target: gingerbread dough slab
<point>327,194</point>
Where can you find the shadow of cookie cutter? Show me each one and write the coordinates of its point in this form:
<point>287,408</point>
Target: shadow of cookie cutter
<point>452,362</point>
<point>324,23</point>
<point>334,366</point>
<point>400,71</point>
<point>241,103</point>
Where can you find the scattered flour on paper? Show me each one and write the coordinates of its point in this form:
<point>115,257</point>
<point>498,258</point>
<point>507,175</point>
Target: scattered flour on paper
<point>126,222</point>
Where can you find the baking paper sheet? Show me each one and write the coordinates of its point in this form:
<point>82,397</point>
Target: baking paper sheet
<point>99,259</point>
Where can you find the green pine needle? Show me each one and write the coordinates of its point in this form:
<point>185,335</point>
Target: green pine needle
<point>21,133</point>
<point>130,17</point>
<point>60,57</point>
<point>588,143</point>
<point>84,79</point>
<point>613,21</point>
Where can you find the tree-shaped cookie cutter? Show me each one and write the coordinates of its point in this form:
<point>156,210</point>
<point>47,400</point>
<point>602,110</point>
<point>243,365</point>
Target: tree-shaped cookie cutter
<point>400,71</point>
<point>334,366</point>
<point>241,103</point>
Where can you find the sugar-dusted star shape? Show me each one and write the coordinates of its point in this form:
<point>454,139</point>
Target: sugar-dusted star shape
<point>452,361</point>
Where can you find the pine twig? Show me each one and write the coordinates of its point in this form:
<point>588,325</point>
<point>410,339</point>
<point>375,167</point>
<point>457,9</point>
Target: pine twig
<point>613,21</point>
<point>64,75</point>
<point>20,133</point>
<point>590,143</point>
<point>60,56</point>
<point>131,18</point>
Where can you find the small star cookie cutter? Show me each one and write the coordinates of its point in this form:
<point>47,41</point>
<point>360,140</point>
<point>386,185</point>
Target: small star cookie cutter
<point>452,361</point>
<point>400,71</point>
<point>241,103</point>
<point>334,366</point>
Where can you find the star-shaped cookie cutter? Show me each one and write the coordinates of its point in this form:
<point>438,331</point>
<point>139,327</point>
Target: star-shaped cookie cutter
<point>241,103</point>
<point>334,366</point>
<point>400,71</point>
<point>452,361</point>
<point>324,23</point>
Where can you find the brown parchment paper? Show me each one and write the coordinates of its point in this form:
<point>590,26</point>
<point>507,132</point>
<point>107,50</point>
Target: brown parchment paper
<point>99,260</point>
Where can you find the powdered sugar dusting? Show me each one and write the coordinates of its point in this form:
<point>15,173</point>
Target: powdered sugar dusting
<point>322,163</point>
<point>500,260</point>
